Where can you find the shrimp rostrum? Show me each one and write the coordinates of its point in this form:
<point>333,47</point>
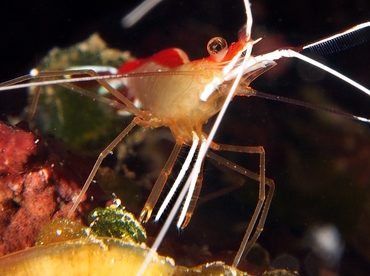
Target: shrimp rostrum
<point>171,91</point>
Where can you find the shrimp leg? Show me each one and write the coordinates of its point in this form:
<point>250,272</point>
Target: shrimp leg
<point>194,199</point>
<point>159,184</point>
<point>130,107</point>
<point>102,155</point>
<point>54,77</point>
<point>260,213</point>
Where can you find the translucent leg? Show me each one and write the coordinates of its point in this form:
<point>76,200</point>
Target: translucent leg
<point>260,213</point>
<point>102,155</point>
<point>159,184</point>
<point>194,199</point>
<point>57,75</point>
<point>158,187</point>
<point>236,183</point>
<point>37,90</point>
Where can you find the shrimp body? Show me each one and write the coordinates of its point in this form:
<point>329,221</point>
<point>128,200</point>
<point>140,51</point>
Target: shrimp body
<point>174,98</point>
<point>174,101</point>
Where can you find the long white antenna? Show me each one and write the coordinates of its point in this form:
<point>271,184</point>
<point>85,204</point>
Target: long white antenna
<point>140,11</point>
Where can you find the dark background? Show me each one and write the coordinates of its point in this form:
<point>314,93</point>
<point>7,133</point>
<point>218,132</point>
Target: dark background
<point>320,162</point>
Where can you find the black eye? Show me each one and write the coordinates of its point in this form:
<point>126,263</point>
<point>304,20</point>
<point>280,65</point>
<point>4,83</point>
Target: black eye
<point>216,45</point>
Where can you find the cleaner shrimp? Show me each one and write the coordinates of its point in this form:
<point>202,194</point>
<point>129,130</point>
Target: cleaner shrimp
<point>327,89</point>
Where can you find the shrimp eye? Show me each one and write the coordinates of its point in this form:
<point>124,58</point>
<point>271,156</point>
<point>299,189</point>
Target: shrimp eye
<point>217,48</point>
<point>216,45</point>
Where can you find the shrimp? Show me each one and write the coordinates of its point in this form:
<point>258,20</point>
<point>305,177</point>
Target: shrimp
<point>187,137</point>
